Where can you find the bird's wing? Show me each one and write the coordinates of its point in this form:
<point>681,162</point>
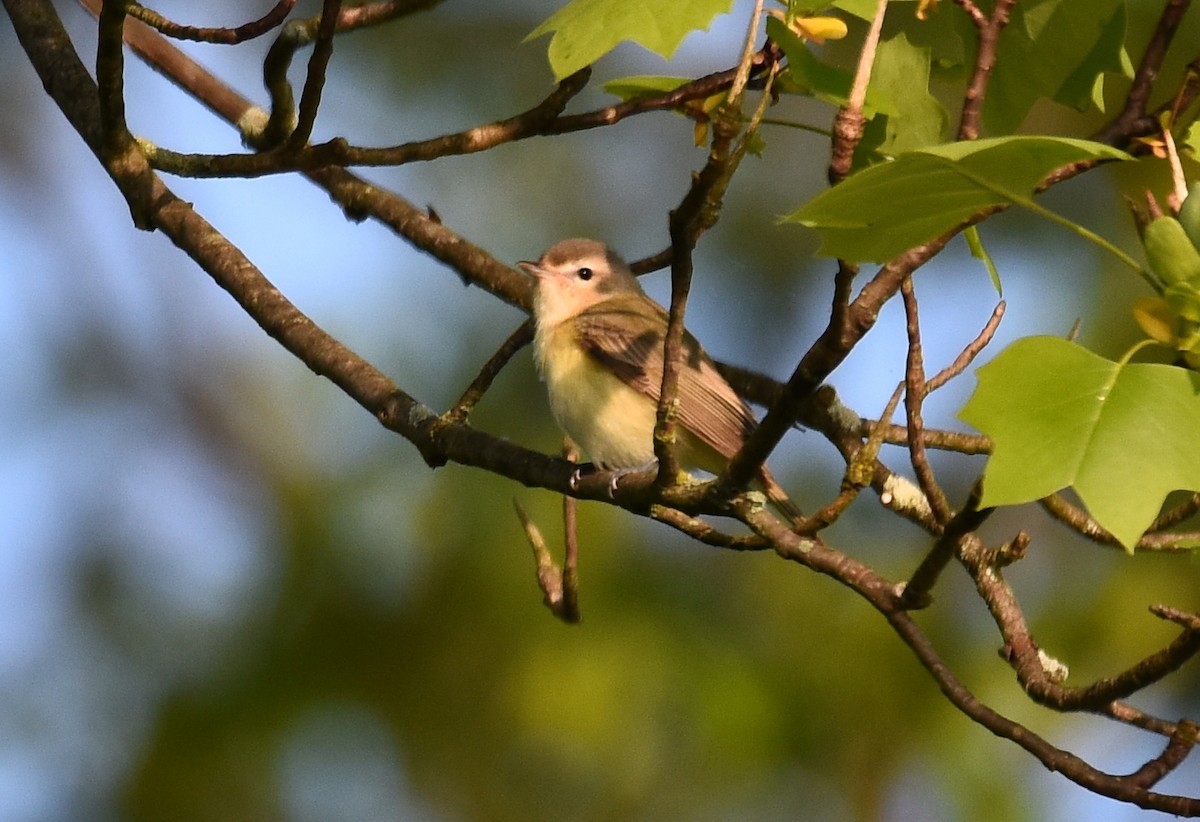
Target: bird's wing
<point>708,405</point>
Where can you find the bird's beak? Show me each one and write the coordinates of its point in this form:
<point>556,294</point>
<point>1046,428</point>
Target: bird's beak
<point>532,269</point>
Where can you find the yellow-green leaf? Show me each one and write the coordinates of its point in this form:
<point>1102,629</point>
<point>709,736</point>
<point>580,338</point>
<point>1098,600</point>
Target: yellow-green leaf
<point>585,30</point>
<point>1122,435</point>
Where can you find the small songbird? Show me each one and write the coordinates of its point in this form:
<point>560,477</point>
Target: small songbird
<point>598,345</point>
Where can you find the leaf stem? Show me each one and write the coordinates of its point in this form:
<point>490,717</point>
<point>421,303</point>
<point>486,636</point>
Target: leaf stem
<point>1128,355</point>
<point>1088,234</point>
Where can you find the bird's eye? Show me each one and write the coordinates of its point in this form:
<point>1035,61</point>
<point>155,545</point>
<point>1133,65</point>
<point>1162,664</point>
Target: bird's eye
<point>585,274</point>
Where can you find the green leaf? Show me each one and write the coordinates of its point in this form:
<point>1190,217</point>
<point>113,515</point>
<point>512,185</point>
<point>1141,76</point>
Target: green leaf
<point>862,9</point>
<point>585,30</point>
<point>1192,139</point>
<point>888,208</point>
<point>1085,85</point>
<point>979,252</point>
<point>1189,215</point>
<point>917,119</point>
<point>823,81</point>
<point>1123,435</point>
<point>1055,49</point>
<point>1170,251</point>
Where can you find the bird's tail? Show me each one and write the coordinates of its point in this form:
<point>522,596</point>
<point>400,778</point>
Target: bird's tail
<point>779,498</point>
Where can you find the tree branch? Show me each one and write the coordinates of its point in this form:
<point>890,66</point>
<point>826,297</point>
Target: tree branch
<point>985,61</point>
<point>914,398</point>
<point>314,81</point>
<point>1132,121</point>
<point>225,36</point>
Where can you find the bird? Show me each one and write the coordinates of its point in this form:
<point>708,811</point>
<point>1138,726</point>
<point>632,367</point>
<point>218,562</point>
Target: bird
<point>598,346</point>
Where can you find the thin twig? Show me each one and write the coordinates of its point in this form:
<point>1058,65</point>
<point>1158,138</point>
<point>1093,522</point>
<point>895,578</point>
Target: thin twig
<point>517,340</point>
<point>221,35</point>
<point>967,356</point>
<point>743,69</point>
<point>1028,661</point>
<point>859,469</point>
<point>831,348</point>
<point>967,444</point>
<point>914,398</point>
<point>314,81</point>
<point>705,532</point>
<point>1178,747</point>
<point>570,572</point>
<point>920,584</point>
<point>972,10</point>
<point>1126,714</point>
<point>1081,522</point>
<point>698,211</point>
<point>989,29</point>
<point>849,121</point>
<point>299,33</point>
<point>338,152</point>
<point>699,89</point>
<point>1136,677</point>
<point>1132,121</point>
<point>165,58</point>
<point>1176,515</point>
<point>550,578</point>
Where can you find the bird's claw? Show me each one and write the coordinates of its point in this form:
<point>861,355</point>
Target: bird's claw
<point>617,475</point>
<point>612,483</point>
<point>620,473</point>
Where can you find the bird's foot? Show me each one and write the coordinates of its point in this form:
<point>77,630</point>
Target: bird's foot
<point>620,473</point>
<point>579,473</point>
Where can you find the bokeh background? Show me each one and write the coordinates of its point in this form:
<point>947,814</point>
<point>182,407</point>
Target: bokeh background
<point>227,593</point>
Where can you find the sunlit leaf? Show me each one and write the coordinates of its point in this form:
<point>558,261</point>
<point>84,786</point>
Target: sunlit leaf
<point>1122,435</point>
<point>823,81</point>
<point>888,208</point>
<point>586,30</point>
<point>1154,317</point>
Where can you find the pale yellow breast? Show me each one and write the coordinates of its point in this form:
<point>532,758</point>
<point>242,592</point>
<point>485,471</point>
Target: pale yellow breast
<point>610,421</point>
